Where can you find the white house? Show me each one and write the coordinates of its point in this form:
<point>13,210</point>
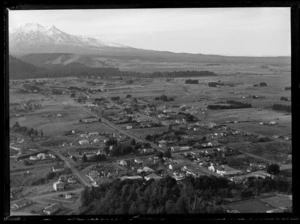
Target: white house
<point>211,168</point>
<point>138,161</point>
<point>51,209</point>
<point>57,168</point>
<point>83,142</point>
<point>33,158</point>
<point>183,148</point>
<point>41,156</point>
<point>59,185</point>
<point>93,133</point>
<point>122,163</point>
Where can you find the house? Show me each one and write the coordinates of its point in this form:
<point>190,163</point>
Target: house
<point>189,173</point>
<point>122,163</point>
<point>178,177</point>
<point>83,142</point>
<point>71,181</point>
<point>211,168</point>
<point>170,167</point>
<point>175,148</point>
<point>225,170</point>
<point>93,133</point>
<point>21,204</point>
<point>131,178</point>
<point>152,176</point>
<point>237,180</point>
<point>93,175</point>
<point>183,148</point>
<point>57,186</point>
<point>68,196</point>
<point>138,161</point>
<point>162,142</point>
<point>148,169</point>
<point>96,140</point>
<point>57,168</point>
<point>84,136</point>
<point>258,174</point>
<point>41,156</point>
<point>51,209</point>
<point>184,168</point>
<point>52,156</point>
<point>128,127</point>
<point>62,178</point>
<point>33,158</point>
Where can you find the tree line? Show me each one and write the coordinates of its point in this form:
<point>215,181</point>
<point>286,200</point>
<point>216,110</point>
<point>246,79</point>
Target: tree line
<point>31,132</point>
<point>204,194</point>
<point>282,107</point>
<point>232,105</point>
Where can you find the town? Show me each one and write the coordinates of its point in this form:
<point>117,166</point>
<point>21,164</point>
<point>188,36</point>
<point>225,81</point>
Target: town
<point>76,133</point>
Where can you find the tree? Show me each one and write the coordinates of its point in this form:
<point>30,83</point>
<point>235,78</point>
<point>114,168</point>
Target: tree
<point>16,125</point>
<point>133,209</point>
<point>168,153</point>
<point>273,169</point>
<point>133,142</point>
<point>42,134</point>
<point>84,158</point>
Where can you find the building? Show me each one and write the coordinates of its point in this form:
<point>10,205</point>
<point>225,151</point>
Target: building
<point>83,142</point>
<point>183,148</point>
<point>58,186</point>
<point>58,168</point>
<point>225,170</point>
<point>33,158</point>
<point>211,168</point>
<point>138,161</point>
<point>52,209</point>
<point>152,176</point>
<point>122,163</point>
<point>41,156</point>
<point>21,204</point>
<point>131,178</point>
<point>258,174</point>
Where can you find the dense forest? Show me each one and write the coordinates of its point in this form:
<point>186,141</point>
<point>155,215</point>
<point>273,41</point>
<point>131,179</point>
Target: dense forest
<point>205,194</point>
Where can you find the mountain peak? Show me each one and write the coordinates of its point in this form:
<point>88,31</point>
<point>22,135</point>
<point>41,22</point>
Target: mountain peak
<point>34,36</point>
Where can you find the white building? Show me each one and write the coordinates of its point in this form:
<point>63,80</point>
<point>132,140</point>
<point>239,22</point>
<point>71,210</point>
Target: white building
<point>83,142</point>
<point>57,186</point>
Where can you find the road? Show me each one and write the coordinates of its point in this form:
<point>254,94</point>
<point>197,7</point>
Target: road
<point>74,171</point>
<point>51,194</point>
<point>112,125</point>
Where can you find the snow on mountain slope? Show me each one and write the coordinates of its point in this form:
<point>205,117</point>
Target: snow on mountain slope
<point>36,35</point>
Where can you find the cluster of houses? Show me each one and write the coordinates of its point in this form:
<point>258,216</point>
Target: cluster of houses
<point>49,210</point>
<point>42,156</point>
<point>97,137</point>
<point>63,181</point>
<point>140,172</point>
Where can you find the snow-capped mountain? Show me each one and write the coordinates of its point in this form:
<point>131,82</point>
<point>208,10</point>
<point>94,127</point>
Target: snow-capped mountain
<point>35,38</point>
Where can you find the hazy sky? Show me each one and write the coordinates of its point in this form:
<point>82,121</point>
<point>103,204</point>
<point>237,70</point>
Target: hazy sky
<point>224,31</point>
